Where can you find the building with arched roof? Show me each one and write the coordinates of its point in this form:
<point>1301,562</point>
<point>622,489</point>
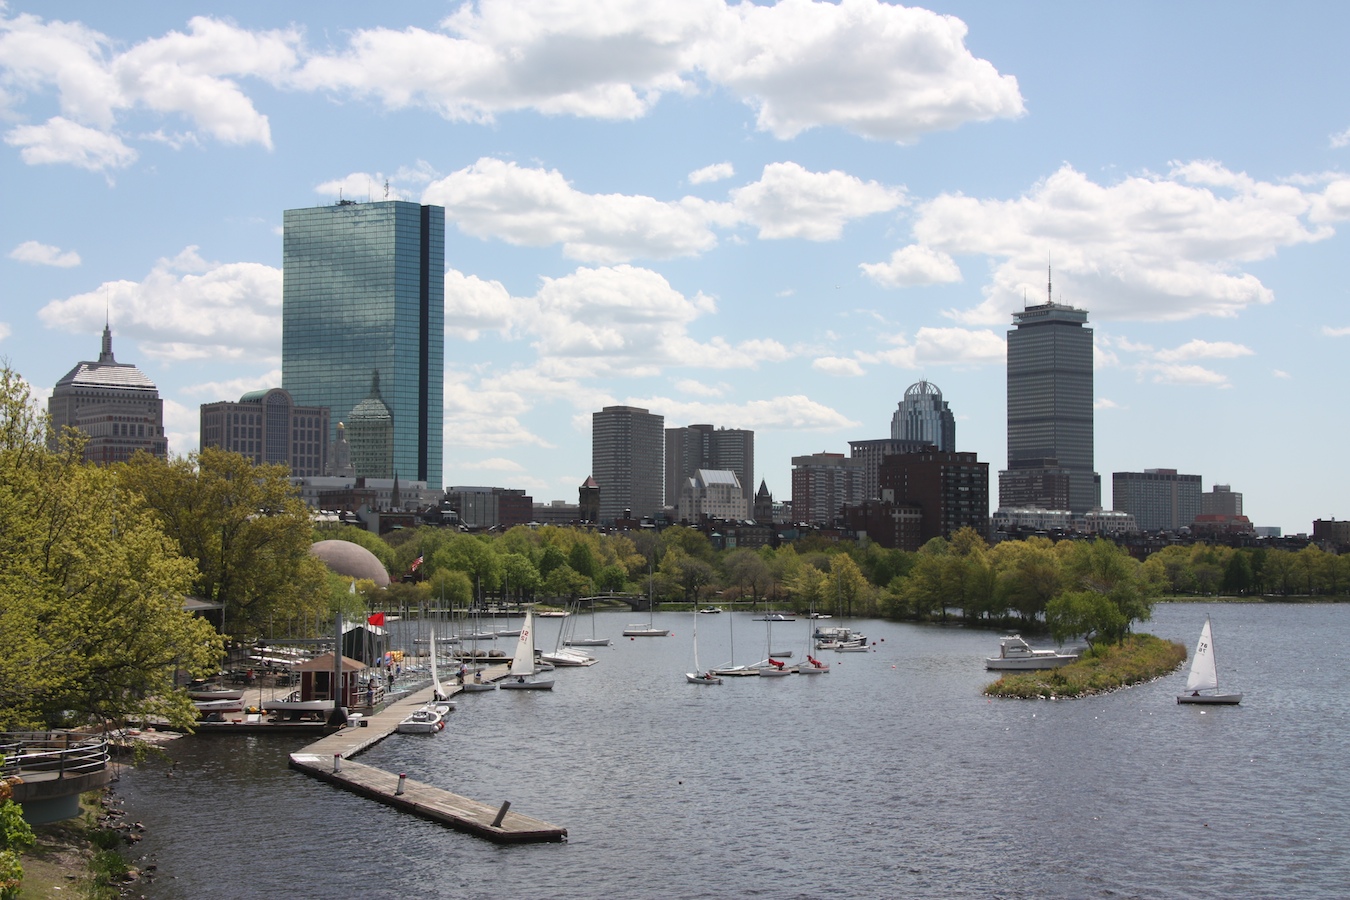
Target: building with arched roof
<point>268,427</point>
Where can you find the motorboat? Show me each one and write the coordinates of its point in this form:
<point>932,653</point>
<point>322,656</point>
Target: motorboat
<point>427,720</point>
<point>1016,655</point>
<point>710,610</point>
<point>775,617</point>
<point>293,705</point>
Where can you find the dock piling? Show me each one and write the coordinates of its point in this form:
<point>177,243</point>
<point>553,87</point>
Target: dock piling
<point>402,777</point>
<point>337,762</point>
<point>501,814</point>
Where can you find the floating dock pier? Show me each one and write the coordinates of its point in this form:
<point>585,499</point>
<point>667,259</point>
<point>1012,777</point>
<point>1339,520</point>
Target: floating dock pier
<point>329,760</point>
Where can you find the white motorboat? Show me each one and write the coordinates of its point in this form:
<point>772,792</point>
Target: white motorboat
<point>1016,655</point>
<point>1204,675</point>
<point>427,720</point>
<point>223,705</point>
<point>710,610</point>
<point>776,617</point>
<point>522,664</point>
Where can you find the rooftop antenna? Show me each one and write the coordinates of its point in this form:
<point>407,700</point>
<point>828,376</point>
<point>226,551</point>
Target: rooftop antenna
<point>1049,294</point>
<point>386,189</point>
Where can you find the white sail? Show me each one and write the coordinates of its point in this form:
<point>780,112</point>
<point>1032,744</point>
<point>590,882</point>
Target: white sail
<point>1204,676</point>
<point>523,662</point>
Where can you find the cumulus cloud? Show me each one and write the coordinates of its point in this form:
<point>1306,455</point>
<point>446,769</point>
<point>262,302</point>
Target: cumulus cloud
<point>185,308</point>
<point>1341,139</point>
<point>1104,403</point>
<point>1334,331</point>
<point>1198,349</point>
<point>839,366</point>
<point>790,202</point>
<point>1149,247</point>
<point>234,387</point>
<point>788,413</point>
<point>5,330</point>
<point>478,416</point>
<point>866,66</point>
<point>473,305</point>
<point>714,172</point>
<point>61,141</point>
<point>40,254</point>
<point>1188,375</point>
<point>699,389</point>
<point>913,265</point>
<point>190,74</point>
<point>538,207</point>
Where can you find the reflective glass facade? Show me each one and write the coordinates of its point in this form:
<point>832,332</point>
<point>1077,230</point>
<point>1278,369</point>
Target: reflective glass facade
<point>364,290</point>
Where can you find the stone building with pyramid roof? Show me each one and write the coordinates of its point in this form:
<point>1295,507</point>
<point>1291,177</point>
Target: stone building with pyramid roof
<point>114,403</point>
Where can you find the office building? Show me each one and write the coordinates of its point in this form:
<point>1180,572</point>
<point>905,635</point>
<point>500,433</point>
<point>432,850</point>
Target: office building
<point>627,462</point>
<point>950,489</point>
<point>114,403</point>
<point>924,416</point>
<point>267,427</point>
<point>1050,449</point>
<point>481,508</point>
<point>871,453</point>
<point>823,484</point>
<point>1221,500</point>
<point>704,447</point>
<point>364,291</point>
<point>1159,499</point>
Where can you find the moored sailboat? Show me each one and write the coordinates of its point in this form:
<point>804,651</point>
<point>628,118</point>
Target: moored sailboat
<point>699,676</point>
<point>522,664</point>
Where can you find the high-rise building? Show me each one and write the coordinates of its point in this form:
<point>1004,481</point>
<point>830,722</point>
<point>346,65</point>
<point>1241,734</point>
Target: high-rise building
<point>823,484</point>
<point>114,403</point>
<point>268,427</point>
<point>1159,499</point>
<point>1050,411</point>
<point>871,453</point>
<point>924,416</point>
<point>712,494</point>
<point>363,291</point>
<point>1221,500</point>
<point>951,490</point>
<point>704,447</point>
<point>627,450</point>
<point>371,433</point>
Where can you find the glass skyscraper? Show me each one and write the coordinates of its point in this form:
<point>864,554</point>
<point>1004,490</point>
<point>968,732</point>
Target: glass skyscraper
<point>364,292</point>
<point>1050,449</point>
<point>924,416</point>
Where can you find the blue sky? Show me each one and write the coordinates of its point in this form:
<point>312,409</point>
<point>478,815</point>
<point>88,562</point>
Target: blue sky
<point>772,216</point>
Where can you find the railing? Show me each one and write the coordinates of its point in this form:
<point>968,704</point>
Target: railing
<point>52,754</point>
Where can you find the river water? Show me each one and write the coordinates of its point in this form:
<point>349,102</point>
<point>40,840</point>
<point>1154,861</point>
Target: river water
<point>890,777</point>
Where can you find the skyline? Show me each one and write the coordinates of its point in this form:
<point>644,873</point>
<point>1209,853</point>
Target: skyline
<point>773,218</point>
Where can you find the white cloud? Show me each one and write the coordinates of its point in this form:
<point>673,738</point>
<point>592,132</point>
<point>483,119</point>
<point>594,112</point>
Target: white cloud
<point>5,330</point>
<point>834,365</point>
<point>1150,247</point>
<point>473,305</point>
<point>185,308</point>
<point>913,265</point>
<point>62,141</point>
<point>495,464</point>
<point>1334,331</point>
<point>878,70</point>
<point>1104,403</point>
<point>882,71</point>
<point>477,417</point>
<point>788,413</point>
<point>211,391</point>
<point>537,207</point>
<point>714,172</point>
<point>1188,375</point>
<point>790,202</point>
<point>1341,139</point>
<point>1198,349</point>
<point>1280,373</point>
<point>188,74</point>
<point>699,389</point>
<point>45,255</point>
<point>182,427</point>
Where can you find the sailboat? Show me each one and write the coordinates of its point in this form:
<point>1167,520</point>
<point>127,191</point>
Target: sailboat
<point>731,668</point>
<point>1204,676</point>
<point>564,653</point>
<point>522,664</point>
<point>813,666</point>
<point>698,676</point>
<point>592,641</point>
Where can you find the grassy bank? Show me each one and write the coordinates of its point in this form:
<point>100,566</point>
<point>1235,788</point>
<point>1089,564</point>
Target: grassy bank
<point>79,857</point>
<point>1142,657</point>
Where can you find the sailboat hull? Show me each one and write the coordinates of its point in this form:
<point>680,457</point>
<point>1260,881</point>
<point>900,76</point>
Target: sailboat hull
<point>1211,699</point>
<point>526,685</point>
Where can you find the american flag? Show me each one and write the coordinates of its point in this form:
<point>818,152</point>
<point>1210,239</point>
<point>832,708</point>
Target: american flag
<point>415,563</point>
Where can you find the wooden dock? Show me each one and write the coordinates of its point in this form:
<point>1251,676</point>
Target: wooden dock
<point>329,759</point>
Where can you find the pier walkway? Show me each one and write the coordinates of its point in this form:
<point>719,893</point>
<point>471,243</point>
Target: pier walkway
<point>329,759</point>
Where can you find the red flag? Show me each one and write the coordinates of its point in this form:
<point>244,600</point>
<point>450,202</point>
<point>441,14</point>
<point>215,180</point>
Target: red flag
<point>375,619</point>
<point>415,563</point>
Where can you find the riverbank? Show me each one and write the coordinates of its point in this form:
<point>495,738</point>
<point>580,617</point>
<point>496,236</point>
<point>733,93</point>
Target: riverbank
<point>1141,658</point>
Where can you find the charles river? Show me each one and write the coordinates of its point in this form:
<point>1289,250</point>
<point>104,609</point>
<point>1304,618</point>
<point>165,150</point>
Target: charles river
<point>893,776</point>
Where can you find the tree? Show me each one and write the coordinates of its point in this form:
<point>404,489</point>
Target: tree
<point>1095,572</point>
<point>846,582</point>
<point>92,624</point>
<point>246,529</point>
<point>1237,574</point>
<point>747,569</point>
<point>1028,575</point>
